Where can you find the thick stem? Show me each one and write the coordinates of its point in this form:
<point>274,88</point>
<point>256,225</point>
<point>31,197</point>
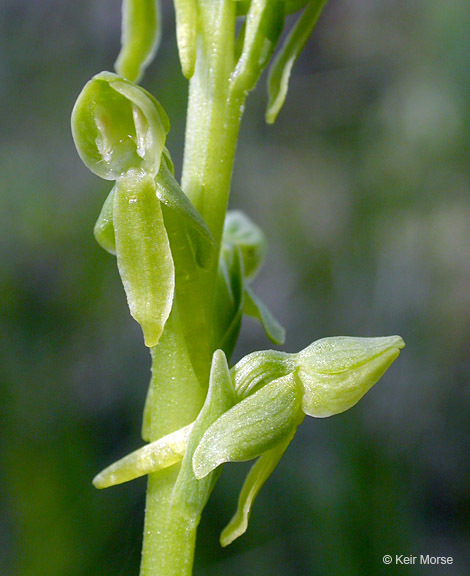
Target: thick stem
<point>176,391</point>
<point>175,399</point>
<point>213,121</point>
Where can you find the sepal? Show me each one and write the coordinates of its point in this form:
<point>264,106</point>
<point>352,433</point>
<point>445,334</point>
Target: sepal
<point>104,226</point>
<point>257,369</point>
<point>251,427</point>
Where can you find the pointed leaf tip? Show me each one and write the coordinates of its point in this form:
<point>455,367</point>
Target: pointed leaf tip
<point>279,73</point>
<point>140,37</point>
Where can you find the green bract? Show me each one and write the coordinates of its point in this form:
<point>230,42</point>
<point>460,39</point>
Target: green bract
<point>229,298</point>
<point>170,193</point>
<point>243,240</point>
<point>279,73</point>
<point>186,29</point>
<point>189,488</point>
<point>143,254</point>
<point>140,37</point>
<point>117,127</point>
<point>264,23</point>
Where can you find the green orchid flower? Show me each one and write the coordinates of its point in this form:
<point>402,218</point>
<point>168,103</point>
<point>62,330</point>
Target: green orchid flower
<point>271,394</point>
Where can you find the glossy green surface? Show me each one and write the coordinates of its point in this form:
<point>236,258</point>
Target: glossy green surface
<point>370,150</point>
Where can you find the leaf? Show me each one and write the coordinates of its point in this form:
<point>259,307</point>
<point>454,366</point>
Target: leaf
<point>158,455</point>
<point>104,227</point>
<point>241,231</point>
<point>254,307</point>
<point>143,254</point>
<point>257,476</point>
<point>170,193</point>
<point>279,73</point>
<point>140,37</point>
<point>220,398</point>
<point>253,426</point>
<point>264,23</point>
<point>117,126</point>
<point>186,30</point>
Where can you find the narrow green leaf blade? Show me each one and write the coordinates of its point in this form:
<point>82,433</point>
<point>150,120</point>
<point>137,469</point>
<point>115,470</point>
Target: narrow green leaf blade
<point>143,254</point>
<point>279,73</point>
<point>158,455</point>
<point>256,308</point>
<point>257,476</point>
<point>140,37</point>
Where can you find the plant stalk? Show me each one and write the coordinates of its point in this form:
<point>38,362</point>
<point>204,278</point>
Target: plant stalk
<point>179,385</point>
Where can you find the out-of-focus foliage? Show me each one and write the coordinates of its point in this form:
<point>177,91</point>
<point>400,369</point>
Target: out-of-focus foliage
<point>371,150</point>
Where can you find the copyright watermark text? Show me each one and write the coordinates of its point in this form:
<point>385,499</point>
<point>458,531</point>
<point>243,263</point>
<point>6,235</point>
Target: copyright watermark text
<point>421,559</point>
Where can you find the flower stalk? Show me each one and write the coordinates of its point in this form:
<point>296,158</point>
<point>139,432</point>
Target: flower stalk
<point>187,266</point>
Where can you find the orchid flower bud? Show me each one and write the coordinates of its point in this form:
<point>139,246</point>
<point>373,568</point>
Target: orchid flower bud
<point>336,372</point>
<point>242,234</point>
<point>239,230</point>
<point>118,126</point>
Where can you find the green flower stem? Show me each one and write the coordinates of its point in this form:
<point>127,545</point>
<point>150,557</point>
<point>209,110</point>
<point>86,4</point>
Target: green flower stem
<point>177,392</point>
<point>175,400</point>
<point>213,120</point>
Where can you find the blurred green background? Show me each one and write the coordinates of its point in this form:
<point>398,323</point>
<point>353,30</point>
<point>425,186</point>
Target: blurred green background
<point>362,187</point>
